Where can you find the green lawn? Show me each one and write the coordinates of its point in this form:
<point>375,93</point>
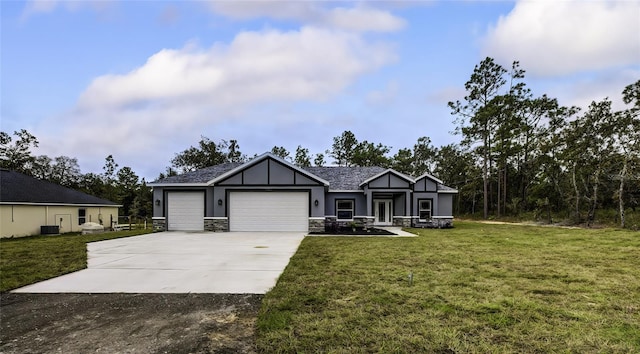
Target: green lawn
<point>477,288</point>
<point>28,260</point>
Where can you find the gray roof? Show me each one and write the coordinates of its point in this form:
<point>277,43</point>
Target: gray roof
<point>201,176</point>
<point>16,187</point>
<point>339,177</point>
<point>344,178</point>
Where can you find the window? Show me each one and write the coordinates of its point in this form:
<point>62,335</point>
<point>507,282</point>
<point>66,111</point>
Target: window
<point>344,209</point>
<point>82,216</point>
<point>424,209</point>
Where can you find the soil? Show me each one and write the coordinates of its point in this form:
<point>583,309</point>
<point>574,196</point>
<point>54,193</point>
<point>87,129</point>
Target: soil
<point>128,323</point>
<point>358,231</point>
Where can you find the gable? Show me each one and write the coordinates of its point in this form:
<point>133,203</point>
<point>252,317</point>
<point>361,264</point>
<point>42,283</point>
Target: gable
<point>268,172</point>
<point>388,180</point>
<point>425,184</point>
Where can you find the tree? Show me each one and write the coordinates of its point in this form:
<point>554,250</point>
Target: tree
<point>343,148</point>
<point>127,186</point>
<point>65,171</point>
<point>319,160</point>
<point>208,153</point>
<point>281,152</point>
<point>369,154</point>
<point>402,161</point>
<point>143,201</point>
<point>234,154</point>
<point>302,157</point>
<point>475,117</point>
<point>109,178</point>
<point>41,167</point>
<point>423,156</point>
<point>17,156</point>
<point>626,135</point>
<point>458,168</point>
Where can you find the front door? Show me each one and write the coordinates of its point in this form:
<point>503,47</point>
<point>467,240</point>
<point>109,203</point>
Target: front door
<point>382,211</point>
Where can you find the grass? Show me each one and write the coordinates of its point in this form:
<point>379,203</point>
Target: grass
<point>477,288</point>
<point>28,260</point>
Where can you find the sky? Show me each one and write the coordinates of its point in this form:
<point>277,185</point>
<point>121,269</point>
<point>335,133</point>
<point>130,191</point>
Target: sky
<point>144,80</point>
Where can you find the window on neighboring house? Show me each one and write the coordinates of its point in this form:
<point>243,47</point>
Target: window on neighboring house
<point>425,209</point>
<point>82,216</point>
<point>344,209</point>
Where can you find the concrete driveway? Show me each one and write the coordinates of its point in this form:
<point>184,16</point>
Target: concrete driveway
<point>180,262</point>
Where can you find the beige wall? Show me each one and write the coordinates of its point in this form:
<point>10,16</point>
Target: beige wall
<point>25,220</point>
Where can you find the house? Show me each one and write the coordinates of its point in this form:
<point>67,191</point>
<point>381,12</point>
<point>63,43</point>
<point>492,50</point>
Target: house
<point>270,194</point>
<point>27,204</point>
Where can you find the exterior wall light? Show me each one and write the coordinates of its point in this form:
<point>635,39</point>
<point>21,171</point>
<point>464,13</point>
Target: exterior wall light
<point>158,202</point>
<point>316,202</point>
<point>219,201</point>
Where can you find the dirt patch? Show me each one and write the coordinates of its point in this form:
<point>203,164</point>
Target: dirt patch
<point>128,323</point>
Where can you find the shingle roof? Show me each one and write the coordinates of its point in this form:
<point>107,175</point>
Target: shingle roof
<point>344,178</point>
<point>16,187</point>
<point>339,177</point>
<point>200,176</point>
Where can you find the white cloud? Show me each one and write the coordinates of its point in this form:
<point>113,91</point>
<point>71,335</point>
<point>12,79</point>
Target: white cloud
<point>559,37</point>
<point>179,94</point>
<point>309,64</point>
<point>581,92</point>
<point>361,18</point>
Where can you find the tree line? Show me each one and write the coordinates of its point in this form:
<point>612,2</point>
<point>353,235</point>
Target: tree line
<point>117,184</point>
<point>519,153</point>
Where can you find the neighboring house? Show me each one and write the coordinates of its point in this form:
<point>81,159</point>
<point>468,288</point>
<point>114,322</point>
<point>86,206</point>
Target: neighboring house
<point>270,194</point>
<point>27,203</point>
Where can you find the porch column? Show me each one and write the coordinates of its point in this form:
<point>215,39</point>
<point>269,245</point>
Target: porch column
<point>407,203</point>
<point>367,193</point>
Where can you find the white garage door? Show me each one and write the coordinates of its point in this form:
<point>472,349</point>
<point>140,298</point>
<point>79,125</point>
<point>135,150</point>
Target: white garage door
<point>185,211</point>
<point>269,211</point>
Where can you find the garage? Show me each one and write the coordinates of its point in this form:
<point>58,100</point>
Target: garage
<point>269,211</point>
<point>185,211</point>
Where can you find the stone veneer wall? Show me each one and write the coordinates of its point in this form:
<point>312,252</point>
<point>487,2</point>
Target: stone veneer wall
<point>216,225</point>
<point>316,224</point>
<point>159,225</point>
<point>438,223</point>
<point>402,221</point>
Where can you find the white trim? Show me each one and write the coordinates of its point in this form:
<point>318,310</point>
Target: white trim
<point>403,217</point>
<point>388,170</point>
<point>158,218</point>
<point>164,185</point>
<point>216,218</point>
<point>353,208</point>
<point>317,218</point>
<point>61,204</point>
<point>431,177</point>
<point>258,160</point>
<point>441,217</point>
<point>346,191</point>
<point>448,191</point>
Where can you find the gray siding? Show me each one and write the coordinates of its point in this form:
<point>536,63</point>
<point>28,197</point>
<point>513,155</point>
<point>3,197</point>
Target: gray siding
<point>425,185</point>
<point>425,195</point>
<point>279,174</point>
<point>257,174</point>
<point>389,180</point>
<point>397,182</point>
<point>359,198</point>
<point>399,205</point>
<point>445,204</point>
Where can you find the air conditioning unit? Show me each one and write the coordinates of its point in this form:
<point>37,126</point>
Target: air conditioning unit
<point>49,230</point>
